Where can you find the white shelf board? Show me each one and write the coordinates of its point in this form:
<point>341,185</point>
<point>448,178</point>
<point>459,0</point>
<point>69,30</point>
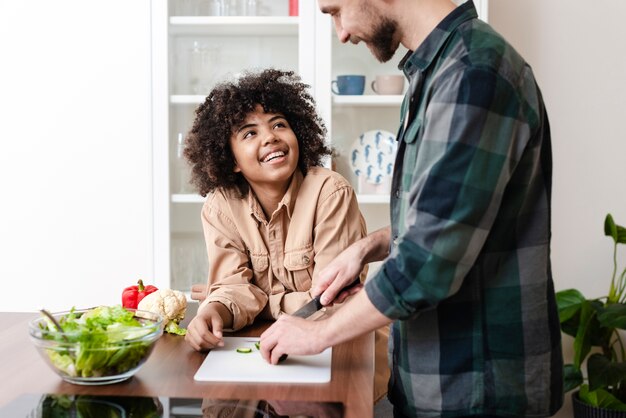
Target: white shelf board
<point>187,98</point>
<point>361,198</point>
<point>234,25</point>
<point>372,198</point>
<point>187,198</point>
<point>368,100</point>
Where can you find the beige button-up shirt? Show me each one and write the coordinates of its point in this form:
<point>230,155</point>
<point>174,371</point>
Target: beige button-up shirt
<point>262,267</point>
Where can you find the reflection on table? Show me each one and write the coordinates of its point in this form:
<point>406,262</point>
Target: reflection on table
<point>84,406</point>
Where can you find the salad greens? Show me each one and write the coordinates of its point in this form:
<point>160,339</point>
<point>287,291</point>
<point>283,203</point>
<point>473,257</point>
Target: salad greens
<point>103,341</point>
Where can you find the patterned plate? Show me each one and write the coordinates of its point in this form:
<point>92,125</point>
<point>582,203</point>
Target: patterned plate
<point>372,155</point>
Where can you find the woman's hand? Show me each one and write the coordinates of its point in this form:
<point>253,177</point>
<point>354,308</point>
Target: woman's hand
<point>205,329</point>
<point>198,292</point>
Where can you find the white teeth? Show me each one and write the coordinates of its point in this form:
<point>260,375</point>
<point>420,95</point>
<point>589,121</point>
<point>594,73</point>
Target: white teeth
<point>273,155</point>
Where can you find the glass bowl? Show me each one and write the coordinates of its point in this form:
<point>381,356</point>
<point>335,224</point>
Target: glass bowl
<point>98,346</point>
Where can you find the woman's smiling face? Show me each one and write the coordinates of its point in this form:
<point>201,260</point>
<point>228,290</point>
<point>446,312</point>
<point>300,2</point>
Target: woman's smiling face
<point>265,150</point>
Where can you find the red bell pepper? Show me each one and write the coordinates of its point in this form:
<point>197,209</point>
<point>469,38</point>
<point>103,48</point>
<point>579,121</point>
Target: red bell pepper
<point>132,295</point>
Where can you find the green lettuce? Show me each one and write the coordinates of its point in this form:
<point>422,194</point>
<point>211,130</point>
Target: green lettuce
<point>104,341</point>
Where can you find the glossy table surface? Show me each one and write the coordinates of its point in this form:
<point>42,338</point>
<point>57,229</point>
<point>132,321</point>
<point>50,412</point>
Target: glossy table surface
<point>170,369</point>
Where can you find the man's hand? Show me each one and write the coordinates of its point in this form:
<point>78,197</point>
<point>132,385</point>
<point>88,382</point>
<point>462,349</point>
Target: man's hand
<point>205,329</point>
<point>348,264</point>
<point>338,274</point>
<point>292,335</point>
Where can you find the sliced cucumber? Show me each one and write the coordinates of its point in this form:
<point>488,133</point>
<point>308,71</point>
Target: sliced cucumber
<point>244,350</point>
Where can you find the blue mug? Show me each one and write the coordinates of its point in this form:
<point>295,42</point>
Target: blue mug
<point>348,85</point>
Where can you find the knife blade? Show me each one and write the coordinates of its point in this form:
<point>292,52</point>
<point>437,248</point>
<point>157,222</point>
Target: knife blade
<point>315,305</point>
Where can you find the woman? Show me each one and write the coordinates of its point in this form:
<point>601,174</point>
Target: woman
<point>273,216</point>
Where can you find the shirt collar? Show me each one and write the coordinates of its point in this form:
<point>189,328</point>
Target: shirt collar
<point>422,57</point>
<point>288,201</point>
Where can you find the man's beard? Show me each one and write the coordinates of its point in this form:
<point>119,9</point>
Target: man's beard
<point>382,43</point>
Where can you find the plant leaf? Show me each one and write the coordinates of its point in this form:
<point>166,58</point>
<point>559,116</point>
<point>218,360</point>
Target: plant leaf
<point>570,327</point>
<point>603,372</point>
<point>590,398</point>
<point>613,316</point>
<point>599,335</point>
<point>600,398</point>
<point>582,343</point>
<point>610,229</point>
<point>572,377</point>
<point>621,234</point>
<point>568,302</point>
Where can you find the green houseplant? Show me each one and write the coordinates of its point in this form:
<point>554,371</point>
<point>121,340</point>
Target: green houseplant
<point>595,325</point>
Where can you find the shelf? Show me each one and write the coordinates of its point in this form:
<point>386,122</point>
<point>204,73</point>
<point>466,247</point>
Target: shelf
<point>187,98</point>
<point>372,198</point>
<point>234,25</point>
<point>187,198</point>
<point>368,100</point>
<point>361,198</point>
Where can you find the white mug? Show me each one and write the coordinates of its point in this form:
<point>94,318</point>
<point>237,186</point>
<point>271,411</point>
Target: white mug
<point>388,84</point>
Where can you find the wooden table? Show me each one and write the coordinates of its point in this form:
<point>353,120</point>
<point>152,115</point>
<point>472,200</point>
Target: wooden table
<point>170,369</point>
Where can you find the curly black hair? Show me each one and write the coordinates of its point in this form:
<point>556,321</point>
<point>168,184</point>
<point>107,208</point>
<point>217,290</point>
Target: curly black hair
<point>207,145</point>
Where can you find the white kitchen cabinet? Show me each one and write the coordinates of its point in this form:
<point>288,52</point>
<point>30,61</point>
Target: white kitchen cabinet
<point>235,43</point>
<point>306,44</point>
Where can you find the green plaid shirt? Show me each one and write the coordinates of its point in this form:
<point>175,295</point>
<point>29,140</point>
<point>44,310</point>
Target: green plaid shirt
<point>468,279</point>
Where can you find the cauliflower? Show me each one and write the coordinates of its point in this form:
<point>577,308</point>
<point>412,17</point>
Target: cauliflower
<point>171,304</point>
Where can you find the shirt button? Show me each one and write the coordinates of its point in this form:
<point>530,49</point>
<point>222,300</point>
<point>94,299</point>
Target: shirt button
<point>396,193</point>
<point>306,259</point>
<point>395,240</point>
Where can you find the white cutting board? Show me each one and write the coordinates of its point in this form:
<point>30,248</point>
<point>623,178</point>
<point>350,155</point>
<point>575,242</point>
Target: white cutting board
<point>225,364</point>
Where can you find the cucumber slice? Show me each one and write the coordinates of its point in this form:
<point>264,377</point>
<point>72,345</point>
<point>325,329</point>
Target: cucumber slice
<point>244,350</point>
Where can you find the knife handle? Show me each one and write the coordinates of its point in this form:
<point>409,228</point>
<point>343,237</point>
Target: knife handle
<point>318,302</point>
<point>319,305</point>
<point>356,282</point>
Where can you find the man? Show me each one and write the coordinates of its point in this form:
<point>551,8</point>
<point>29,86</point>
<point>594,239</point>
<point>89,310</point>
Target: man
<point>466,275</point>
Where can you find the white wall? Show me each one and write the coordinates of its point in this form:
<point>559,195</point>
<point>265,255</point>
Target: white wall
<point>75,152</point>
<point>578,54</point>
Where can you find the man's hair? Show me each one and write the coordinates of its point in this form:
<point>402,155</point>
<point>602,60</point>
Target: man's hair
<point>207,146</point>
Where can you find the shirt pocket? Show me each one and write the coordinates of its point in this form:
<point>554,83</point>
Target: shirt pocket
<point>299,266</point>
<point>260,262</point>
<point>260,271</point>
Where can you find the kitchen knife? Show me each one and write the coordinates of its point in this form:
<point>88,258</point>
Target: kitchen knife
<point>315,305</point>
